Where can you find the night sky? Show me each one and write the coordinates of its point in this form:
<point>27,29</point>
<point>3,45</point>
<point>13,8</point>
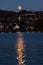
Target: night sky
<point>26,4</point>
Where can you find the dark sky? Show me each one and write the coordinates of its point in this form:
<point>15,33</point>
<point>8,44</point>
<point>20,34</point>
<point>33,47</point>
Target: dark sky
<point>26,4</point>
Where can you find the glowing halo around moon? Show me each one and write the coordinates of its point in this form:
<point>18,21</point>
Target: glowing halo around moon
<point>19,7</point>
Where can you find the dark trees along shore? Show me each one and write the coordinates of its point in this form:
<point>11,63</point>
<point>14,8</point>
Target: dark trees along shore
<point>24,21</point>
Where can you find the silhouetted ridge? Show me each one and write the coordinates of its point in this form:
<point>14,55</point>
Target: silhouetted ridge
<point>23,12</point>
<point>24,21</point>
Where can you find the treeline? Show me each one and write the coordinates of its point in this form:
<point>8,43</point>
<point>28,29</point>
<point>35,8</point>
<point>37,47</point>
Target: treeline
<point>23,21</point>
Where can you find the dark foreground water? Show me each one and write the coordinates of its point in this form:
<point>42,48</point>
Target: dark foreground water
<point>33,48</point>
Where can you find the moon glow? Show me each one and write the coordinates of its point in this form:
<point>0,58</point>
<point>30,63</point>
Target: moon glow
<point>19,7</point>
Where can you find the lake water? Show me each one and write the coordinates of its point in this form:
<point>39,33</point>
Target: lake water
<point>21,48</point>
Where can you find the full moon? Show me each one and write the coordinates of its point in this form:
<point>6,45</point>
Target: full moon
<point>19,7</point>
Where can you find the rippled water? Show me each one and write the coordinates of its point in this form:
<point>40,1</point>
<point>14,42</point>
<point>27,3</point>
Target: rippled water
<point>21,48</point>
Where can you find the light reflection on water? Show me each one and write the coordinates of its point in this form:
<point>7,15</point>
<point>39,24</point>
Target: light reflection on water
<point>20,47</point>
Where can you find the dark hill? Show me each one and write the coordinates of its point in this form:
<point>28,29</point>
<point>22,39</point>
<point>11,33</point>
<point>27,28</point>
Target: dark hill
<point>25,20</point>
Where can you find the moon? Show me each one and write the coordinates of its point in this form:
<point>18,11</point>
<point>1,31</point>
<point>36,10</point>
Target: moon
<point>19,7</point>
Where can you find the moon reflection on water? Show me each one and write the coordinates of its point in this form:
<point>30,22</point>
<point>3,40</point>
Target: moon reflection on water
<point>20,48</point>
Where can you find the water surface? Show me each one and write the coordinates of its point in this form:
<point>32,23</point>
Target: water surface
<point>32,48</point>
